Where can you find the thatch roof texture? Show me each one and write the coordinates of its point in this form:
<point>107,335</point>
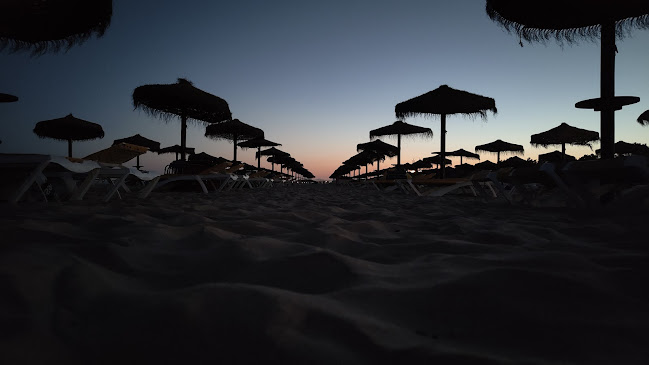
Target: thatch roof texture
<point>567,20</point>
<point>234,131</point>
<point>139,141</point>
<point>52,25</point>
<point>499,146</point>
<point>258,143</point>
<point>182,100</point>
<point>69,128</point>
<point>446,100</point>
<point>400,128</point>
<point>562,135</point>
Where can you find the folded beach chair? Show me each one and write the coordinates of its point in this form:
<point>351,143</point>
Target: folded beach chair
<point>434,186</point>
<point>621,181</point>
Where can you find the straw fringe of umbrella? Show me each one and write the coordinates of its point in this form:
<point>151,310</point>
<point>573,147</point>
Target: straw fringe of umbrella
<point>48,26</point>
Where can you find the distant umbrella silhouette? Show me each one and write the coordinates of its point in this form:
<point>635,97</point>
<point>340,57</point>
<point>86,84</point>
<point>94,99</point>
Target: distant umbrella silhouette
<point>182,100</point>
<point>233,130</point>
<point>625,148</point>
<point>499,146</point>
<point>380,148</point>
<point>566,20</point>
<point>258,143</point>
<point>443,101</point>
<point>176,149</point>
<point>272,152</point>
<point>399,129</point>
<point>138,140</point>
<point>206,157</point>
<point>51,25</point>
<point>555,156</point>
<point>7,98</point>
<point>69,128</point>
<point>644,118</point>
<point>562,135</point>
<point>462,153</point>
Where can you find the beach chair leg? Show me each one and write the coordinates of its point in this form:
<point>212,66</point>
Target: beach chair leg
<point>82,189</point>
<point>201,183</point>
<point>31,179</point>
<point>148,188</point>
<point>414,188</point>
<point>115,187</point>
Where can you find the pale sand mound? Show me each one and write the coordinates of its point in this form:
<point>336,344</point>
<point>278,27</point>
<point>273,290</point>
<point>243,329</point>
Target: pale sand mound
<point>321,275</point>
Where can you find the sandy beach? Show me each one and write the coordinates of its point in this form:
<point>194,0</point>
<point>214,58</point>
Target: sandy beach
<point>321,274</point>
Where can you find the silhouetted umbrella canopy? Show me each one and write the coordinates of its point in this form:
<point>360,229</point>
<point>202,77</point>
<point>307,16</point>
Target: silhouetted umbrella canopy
<point>380,148</point>
<point>515,161</point>
<point>462,153</point>
<point>562,135</point>
<point>176,149</point>
<point>644,118</point>
<point>271,152</point>
<point>138,140</point>
<point>443,101</point>
<point>555,156</point>
<point>206,157</point>
<point>69,128</point>
<point>258,143</point>
<point>625,148</point>
<point>499,146</point>
<point>419,164</point>
<point>437,160</point>
<point>7,98</point>
<point>566,20</point>
<point>399,129</point>
<point>233,130</point>
<point>485,165</point>
<point>51,25</point>
<point>182,100</point>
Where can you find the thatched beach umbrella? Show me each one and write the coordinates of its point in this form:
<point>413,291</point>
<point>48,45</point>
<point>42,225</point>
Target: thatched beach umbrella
<point>563,134</point>
<point>182,100</point>
<point>138,140</point>
<point>555,156</point>
<point>461,153</point>
<point>399,129</point>
<point>273,152</point>
<point>69,128</point>
<point>258,143</point>
<point>644,118</point>
<point>625,148</point>
<point>566,20</point>
<point>176,149</point>
<point>233,130</point>
<point>443,101</point>
<point>206,157</point>
<point>378,147</point>
<point>7,98</point>
<point>499,146</point>
<point>485,165</point>
<point>51,25</point>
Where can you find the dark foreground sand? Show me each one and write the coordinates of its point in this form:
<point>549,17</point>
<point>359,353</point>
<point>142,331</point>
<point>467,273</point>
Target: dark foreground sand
<point>321,275</point>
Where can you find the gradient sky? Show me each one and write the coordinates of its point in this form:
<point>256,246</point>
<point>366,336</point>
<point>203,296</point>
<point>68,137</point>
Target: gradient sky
<point>317,77</point>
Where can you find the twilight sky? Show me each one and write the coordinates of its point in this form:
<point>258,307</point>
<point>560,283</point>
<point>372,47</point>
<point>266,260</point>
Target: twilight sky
<point>317,77</point>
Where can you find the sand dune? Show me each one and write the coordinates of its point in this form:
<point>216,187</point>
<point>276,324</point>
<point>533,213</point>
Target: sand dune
<point>321,274</point>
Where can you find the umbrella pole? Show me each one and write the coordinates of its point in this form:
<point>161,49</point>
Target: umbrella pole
<point>235,149</point>
<point>399,147</point>
<point>498,156</point>
<point>607,90</point>
<point>258,158</point>
<point>443,145</point>
<point>460,160</point>
<point>183,135</point>
<point>69,148</point>
<point>563,151</point>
